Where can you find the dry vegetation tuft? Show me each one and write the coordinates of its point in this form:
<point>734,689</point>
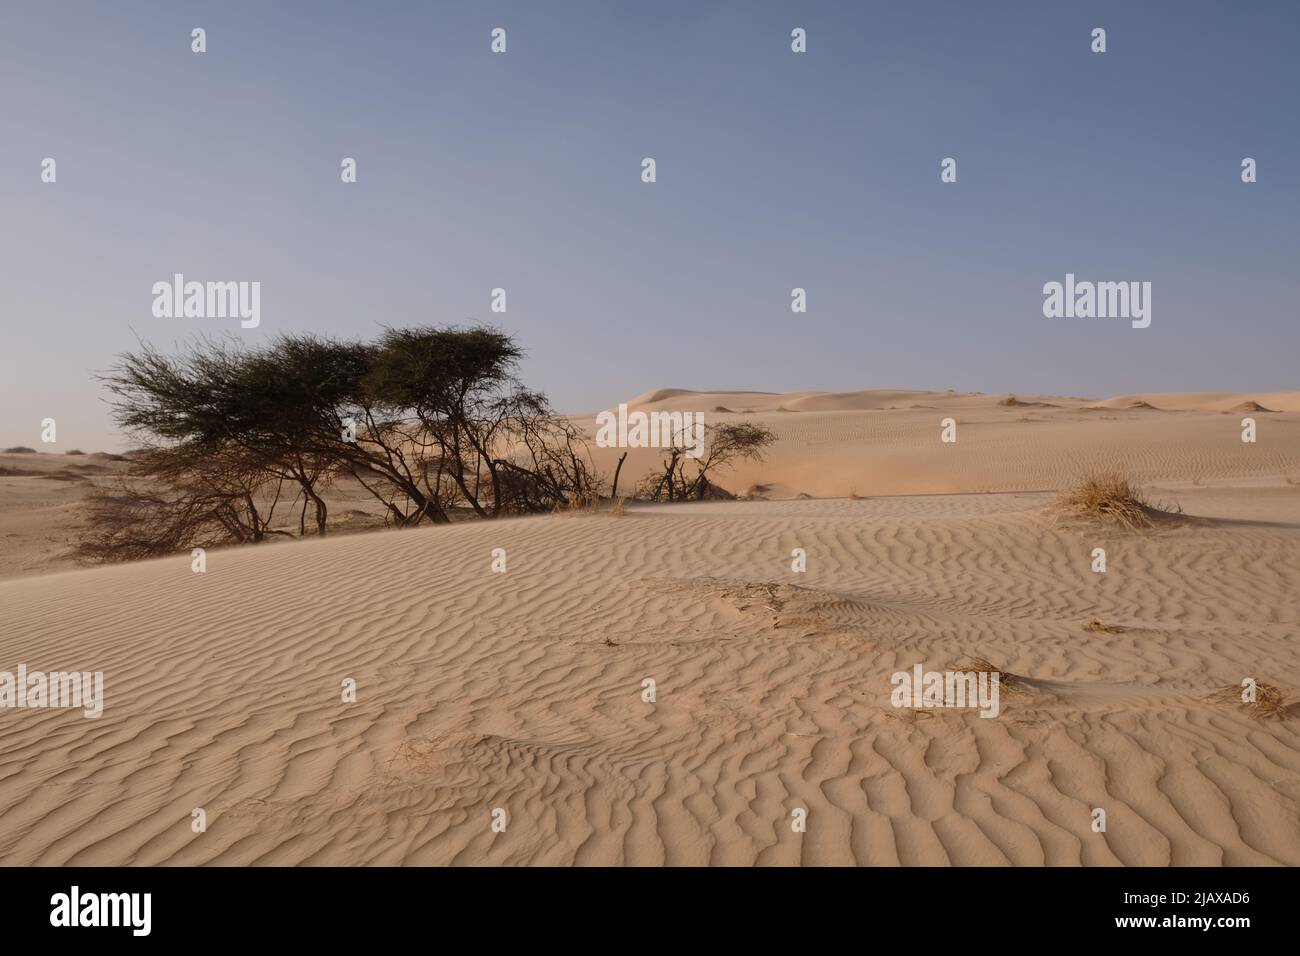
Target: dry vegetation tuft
<point>1268,703</point>
<point>583,502</point>
<point>978,665</point>
<point>1112,498</point>
<point>1013,685</point>
<point>981,665</point>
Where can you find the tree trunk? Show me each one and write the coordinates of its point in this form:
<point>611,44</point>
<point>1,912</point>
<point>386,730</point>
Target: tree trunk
<point>613,492</point>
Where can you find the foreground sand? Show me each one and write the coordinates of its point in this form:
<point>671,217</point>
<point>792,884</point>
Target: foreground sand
<point>523,691</point>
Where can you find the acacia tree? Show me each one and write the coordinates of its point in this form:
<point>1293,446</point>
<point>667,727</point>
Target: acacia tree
<point>500,444</point>
<point>429,421</point>
<point>224,406</point>
<point>678,481</point>
<point>301,408</point>
<point>426,420</point>
<point>450,388</point>
<point>349,420</point>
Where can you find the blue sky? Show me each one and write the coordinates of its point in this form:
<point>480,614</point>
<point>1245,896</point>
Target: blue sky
<point>775,170</point>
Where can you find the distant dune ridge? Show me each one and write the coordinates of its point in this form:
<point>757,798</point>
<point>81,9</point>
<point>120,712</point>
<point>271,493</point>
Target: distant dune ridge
<point>525,690</point>
<point>885,441</point>
<point>879,398</point>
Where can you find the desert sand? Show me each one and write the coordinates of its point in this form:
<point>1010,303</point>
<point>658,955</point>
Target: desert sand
<point>523,691</point>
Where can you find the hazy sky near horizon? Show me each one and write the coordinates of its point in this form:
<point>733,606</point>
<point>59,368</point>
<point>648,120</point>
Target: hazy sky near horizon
<point>775,170</point>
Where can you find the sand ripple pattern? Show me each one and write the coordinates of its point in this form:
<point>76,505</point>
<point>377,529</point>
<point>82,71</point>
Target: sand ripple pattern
<point>523,691</point>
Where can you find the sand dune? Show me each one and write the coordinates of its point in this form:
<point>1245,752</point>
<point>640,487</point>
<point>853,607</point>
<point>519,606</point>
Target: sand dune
<point>40,513</point>
<point>522,691</point>
<point>886,442</point>
<point>829,444</point>
<point>880,398</point>
<point>1211,401</point>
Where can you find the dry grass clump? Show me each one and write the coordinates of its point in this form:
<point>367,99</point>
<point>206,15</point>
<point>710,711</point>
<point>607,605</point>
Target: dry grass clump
<point>978,665</point>
<point>1010,683</point>
<point>981,665</point>
<point>1268,703</point>
<point>588,502</point>
<point>1113,498</point>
